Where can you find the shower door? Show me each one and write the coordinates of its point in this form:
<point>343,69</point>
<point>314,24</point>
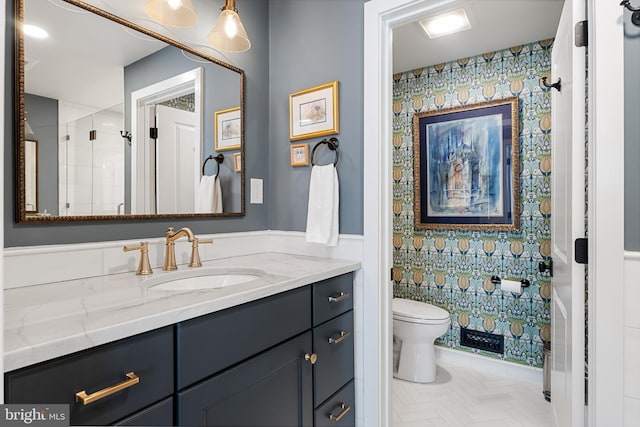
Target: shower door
<point>91,165</point>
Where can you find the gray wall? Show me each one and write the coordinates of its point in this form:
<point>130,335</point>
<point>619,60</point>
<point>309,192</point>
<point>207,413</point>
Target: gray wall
<point>632,135</point>
<point>221,90</point>
<point>255,63</point>
<point>296,44</point>
<point>42,114</point>
<point>312,43</point>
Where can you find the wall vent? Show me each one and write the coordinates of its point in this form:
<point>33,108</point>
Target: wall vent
<point>482,340</point>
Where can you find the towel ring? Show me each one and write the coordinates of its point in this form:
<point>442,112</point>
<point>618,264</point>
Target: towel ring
<point>333,144</point>
<point>219,159</point>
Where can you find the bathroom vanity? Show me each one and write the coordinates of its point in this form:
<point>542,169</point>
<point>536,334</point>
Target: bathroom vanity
<point>276,350</point>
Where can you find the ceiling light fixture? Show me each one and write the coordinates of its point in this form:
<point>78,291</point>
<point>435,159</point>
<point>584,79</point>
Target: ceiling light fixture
<point>33,31</point>
<point>228,33</point>
<point>446,23</point>
<point>175,13</point>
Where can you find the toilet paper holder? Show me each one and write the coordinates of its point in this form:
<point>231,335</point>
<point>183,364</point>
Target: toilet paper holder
<point>497,280</point>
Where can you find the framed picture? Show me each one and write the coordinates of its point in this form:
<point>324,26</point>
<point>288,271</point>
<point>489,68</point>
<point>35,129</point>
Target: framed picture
<point>228,129</point>
<point>300,155</point>
<point>314,112</point>
<point>466,167</point>
<point>237,162</point>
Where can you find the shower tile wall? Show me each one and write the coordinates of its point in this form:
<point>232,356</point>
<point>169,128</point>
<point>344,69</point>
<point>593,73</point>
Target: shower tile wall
<point>452,269</point>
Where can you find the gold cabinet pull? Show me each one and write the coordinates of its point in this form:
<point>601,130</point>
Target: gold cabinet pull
<point>344,408</point>
<point>342,296</point>
<point>85,399</point>
<point>343,336</point>
<point>313,358</point>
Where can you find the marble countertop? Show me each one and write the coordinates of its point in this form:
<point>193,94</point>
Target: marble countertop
<point>51,320</point>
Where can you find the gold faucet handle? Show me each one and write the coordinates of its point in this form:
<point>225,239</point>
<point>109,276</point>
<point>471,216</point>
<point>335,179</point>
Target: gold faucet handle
<point>144,267</point>
<point>195,254</point>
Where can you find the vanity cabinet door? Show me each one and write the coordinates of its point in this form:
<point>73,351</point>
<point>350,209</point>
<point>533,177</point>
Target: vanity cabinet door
<point>333,343</point>
<point>271,389</point>
<point>148,356</point>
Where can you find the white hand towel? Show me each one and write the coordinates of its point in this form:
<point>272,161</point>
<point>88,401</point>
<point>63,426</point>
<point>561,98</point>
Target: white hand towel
<point>209,195</point>
<point>217,196</point>
<point>323,212</point>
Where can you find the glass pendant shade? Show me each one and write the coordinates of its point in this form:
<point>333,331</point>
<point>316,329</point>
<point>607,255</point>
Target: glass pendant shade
<point>175,13</point>
<point>228,33</point>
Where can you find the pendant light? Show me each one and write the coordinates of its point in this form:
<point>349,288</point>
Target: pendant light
<point>175,13</point>
<point>228,33</point>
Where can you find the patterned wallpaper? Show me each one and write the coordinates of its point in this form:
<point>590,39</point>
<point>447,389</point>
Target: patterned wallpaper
<point>185,102</point>
<point>452,269</point>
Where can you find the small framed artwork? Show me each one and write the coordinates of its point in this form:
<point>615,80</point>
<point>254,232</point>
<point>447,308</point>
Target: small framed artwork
<point>300,155</point>
<point>228,129</point>
<point>314,112</point>
<point>237,162</point>
<point>467,167</point>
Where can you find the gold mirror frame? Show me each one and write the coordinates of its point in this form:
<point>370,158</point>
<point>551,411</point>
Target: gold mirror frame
<point>19,72</point>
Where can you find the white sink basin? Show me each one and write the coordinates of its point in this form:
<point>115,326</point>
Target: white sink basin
<point>202,279</point>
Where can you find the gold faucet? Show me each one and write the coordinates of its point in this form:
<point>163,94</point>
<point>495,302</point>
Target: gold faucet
<point>144,267</point>
<point>170,248</point>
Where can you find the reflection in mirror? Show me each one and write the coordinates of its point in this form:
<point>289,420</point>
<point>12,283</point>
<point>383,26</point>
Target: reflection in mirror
<point>31,176</point>
<point>125,119</point>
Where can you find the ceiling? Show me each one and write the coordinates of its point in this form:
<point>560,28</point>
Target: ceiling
<point>495,24</point>
<point>84,48</point>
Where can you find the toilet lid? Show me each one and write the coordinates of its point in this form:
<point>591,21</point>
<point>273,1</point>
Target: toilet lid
<point>417,310</point>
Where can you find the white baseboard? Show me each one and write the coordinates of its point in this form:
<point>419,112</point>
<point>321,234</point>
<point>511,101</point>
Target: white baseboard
<point>487,364</point>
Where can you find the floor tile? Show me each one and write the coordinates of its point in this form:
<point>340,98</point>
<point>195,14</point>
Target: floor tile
<point>463,396</point>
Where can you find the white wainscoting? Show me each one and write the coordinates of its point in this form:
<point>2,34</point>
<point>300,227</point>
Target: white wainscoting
<point>631,338</point>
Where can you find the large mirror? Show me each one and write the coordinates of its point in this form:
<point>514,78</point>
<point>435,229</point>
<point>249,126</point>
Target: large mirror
<point>129,122</point>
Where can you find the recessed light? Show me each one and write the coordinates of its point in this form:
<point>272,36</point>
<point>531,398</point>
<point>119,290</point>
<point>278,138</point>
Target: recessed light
<point>446,23</point>
<point>33,31</point>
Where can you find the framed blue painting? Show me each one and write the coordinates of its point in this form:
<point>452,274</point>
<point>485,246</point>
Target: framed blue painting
<point>467,167</point>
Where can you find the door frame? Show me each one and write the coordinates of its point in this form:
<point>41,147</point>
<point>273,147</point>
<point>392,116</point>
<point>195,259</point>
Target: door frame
<point>141,101</point>
<point>606,213</point>
<point>606,153</point>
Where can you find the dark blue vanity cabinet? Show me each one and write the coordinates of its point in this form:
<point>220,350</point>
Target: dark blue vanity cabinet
<point>284,360</point>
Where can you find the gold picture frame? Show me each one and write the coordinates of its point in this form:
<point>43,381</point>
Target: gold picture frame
<point>300,155</point>
<point>237,162</point>
<point>228,129</point>
<point>314,112</point>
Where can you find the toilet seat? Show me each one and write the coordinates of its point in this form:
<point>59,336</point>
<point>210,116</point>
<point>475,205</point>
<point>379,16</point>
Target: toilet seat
<point>419,312</point>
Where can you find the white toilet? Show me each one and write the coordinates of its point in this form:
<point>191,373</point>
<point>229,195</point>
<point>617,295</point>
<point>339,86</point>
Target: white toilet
<point>416,325</point>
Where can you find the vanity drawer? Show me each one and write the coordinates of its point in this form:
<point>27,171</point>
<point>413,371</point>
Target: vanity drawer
<point>210,343</point>
<point>149,356</point>
<point>332,297</point>
<point>333,343</point>
<point>338,410</point>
